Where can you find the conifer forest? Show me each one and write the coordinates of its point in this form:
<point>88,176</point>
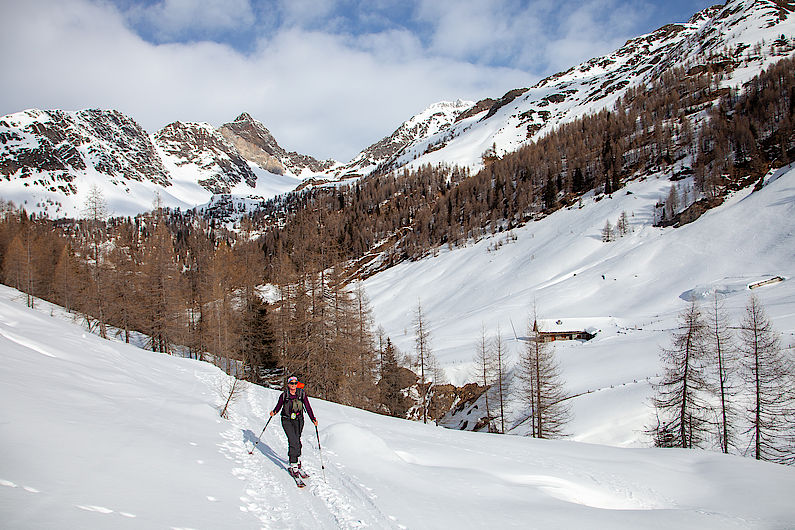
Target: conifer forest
<point>187,284</point>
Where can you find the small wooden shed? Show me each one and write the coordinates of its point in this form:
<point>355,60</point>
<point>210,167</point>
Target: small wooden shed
<point>562,334</point>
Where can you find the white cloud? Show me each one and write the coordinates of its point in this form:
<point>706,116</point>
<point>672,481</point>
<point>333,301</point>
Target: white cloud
<point>306,13</point>
<point>323,92</point>
<point>397,46</point>
<point>356,91</point>
<point>320,94</point>
<point>170,19</point>
<point>541,36</point>
<point>470,29</point>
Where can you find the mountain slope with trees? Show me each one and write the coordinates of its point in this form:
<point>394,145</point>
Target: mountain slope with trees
<point>696,138</point>
<point>44,167</point>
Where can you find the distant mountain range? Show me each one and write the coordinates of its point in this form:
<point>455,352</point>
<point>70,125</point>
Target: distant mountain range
<point>49,159</point>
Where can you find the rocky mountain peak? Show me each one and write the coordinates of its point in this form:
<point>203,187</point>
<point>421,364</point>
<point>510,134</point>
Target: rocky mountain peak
<point>199,145</point>
<point>256,143</point>
<point>244,117</point>
<point>45,149</point>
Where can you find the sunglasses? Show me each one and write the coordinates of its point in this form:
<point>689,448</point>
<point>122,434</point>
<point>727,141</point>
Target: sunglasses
<point>292,383</point>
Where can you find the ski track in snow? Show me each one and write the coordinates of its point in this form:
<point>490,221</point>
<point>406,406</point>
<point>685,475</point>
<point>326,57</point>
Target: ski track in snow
<point>264,495</point>
<point>104,511</point>
<point>270,493</point>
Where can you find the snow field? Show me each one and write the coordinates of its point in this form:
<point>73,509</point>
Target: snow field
<point>99,434</point>
<point>629,291</point>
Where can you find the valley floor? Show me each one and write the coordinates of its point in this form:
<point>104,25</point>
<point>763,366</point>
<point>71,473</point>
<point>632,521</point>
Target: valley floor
<point>100,434</point>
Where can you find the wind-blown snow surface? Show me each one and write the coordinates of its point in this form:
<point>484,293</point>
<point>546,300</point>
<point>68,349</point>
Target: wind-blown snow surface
<point>629,291</point>
<point>100,434</point>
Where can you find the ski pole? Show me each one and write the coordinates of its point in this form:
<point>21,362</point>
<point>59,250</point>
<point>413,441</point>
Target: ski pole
<point>320,452</point>
<point>260,436</point>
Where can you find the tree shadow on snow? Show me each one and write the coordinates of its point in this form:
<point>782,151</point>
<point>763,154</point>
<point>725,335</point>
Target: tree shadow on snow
<point>250,438</point>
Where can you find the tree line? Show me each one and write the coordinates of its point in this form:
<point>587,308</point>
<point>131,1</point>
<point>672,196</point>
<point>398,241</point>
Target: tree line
<point>184,285</point>
<point>684,123</point>
<point>726,386</point>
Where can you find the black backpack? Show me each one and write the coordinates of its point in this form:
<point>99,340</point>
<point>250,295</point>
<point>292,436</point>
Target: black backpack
<point>293,405</point>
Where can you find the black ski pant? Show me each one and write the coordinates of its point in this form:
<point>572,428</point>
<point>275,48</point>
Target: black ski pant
<point>293,428</point>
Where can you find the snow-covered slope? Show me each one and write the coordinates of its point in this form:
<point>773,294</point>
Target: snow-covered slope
<point>99,434</point>
<point>629,291</point>
<point>413,133</point>
<point>735,41</point>
<point>49,161</point>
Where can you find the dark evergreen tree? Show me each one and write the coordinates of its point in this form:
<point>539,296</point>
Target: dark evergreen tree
<point>578,182</point>
<point>550,194</point>
<point>389,385</point>
<point>257,343</point>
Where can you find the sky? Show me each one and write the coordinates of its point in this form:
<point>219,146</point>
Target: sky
<point>327,77</point>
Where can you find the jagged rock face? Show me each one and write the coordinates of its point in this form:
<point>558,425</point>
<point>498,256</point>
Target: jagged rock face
<point>215,158</point>
<point>256,143</point>
<point>384,153</point>
<point>297,162</point>
<point>47,148</point>
<point>504,100</point>
<point>51,156</point>
<point>480,106</point>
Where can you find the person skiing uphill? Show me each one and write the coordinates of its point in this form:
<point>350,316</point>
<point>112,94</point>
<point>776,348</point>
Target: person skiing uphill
<point>292,402</point>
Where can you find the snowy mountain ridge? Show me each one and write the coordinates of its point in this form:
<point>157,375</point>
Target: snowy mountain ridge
<point>727,39</point>
<point>43,153</point>
<point>434,120</point>
<point>50,159</point>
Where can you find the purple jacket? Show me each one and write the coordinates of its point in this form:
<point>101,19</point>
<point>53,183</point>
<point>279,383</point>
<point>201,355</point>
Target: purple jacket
<point>305,399</point>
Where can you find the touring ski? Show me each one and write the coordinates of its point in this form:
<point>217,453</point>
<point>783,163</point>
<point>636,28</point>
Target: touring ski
<point>297,477</point>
